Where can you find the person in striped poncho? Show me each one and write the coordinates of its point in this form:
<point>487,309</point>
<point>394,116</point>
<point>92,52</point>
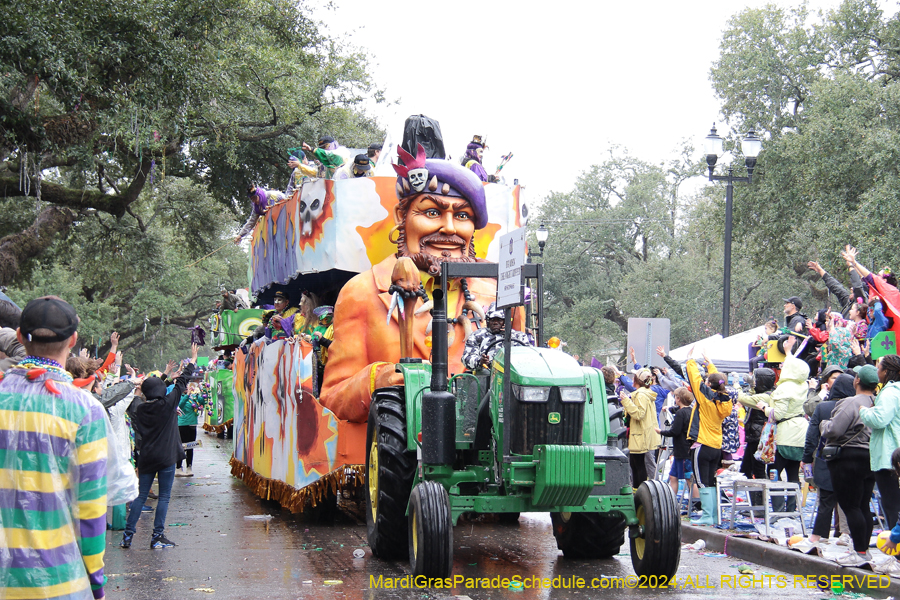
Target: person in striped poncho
<point>53,454</point>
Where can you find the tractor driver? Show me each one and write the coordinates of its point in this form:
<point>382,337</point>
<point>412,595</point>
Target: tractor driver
<point>441,206</point>
<point>483,344</point>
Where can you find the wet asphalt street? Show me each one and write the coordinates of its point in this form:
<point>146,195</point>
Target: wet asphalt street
<point>223,555</point>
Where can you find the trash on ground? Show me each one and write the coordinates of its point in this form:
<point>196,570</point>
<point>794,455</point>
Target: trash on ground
<point>258,517</point>
<point>207,590</point>
<point>358,553</point>
<point>698,545</point>
<point>332,582</point>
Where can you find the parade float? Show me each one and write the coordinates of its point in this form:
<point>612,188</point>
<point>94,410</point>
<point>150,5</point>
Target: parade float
<point>288,446</point>
<point>227,330</point>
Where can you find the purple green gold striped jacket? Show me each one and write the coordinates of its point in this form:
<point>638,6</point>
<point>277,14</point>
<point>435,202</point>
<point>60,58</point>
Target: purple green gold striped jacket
<point>52,489</point>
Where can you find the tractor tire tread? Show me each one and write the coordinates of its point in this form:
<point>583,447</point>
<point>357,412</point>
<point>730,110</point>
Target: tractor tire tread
<point>662,531</point>
<point>387,534</point>
<point>431,505</point>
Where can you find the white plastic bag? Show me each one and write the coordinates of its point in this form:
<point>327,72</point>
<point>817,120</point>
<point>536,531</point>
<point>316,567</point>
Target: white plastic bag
<point>121,482</point>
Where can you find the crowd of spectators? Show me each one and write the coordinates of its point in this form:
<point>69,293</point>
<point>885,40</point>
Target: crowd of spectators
<point>828,385</point>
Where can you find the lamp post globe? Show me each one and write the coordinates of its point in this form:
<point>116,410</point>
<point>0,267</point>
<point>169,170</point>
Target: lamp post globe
<point>542,234</point>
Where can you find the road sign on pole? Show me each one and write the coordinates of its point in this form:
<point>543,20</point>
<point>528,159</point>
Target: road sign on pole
<point>510,291</point>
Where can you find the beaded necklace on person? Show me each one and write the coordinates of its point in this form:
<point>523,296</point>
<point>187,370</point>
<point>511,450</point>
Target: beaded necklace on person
<point>39,362</point>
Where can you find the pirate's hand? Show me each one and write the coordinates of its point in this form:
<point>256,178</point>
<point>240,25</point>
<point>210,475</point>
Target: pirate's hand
<point>387,376</point>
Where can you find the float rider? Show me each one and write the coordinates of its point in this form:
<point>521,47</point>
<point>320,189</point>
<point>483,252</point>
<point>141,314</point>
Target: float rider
<point>331,154</point>
<point>473,157</point>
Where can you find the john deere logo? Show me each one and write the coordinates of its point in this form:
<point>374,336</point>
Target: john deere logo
<point>553,418</point>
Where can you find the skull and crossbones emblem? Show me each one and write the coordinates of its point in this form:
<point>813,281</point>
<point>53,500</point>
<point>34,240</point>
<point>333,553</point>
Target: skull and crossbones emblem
<point>418,178</point>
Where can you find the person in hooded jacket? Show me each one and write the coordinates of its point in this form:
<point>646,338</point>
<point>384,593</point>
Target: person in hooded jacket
<point>790,421</point>
<point>850,470</point>
<point>644,425</point>
<point>157,421</point>
<point>883,418</point>
<point>755,420</point>
<point>842,388</point>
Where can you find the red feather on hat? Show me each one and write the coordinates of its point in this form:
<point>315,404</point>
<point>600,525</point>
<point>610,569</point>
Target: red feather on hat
<point>410,163</point>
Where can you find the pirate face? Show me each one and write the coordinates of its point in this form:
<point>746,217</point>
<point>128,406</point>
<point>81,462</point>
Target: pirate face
<point>442,226</point>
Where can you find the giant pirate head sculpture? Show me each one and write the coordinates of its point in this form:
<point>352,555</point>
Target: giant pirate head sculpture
<point>441,206</point>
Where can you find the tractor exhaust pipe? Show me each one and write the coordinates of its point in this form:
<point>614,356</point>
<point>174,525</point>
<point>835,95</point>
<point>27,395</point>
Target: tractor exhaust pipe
<point>438,404</point>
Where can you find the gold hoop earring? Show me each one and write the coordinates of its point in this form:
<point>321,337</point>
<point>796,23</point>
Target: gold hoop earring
<point>391,233</point>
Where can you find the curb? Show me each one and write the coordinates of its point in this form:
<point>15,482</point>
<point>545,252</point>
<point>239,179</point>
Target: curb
<point>784,559</point>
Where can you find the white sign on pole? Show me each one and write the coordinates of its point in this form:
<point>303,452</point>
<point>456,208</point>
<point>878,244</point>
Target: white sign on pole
<point>509,281</point>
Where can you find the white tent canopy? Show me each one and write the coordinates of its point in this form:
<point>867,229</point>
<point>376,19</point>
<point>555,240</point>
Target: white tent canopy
<point>727,354</point>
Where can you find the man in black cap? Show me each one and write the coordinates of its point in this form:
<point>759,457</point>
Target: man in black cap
<point>54,440</point>
<point>360,167</point>
<point>157,421</point>
<point>793,320</point>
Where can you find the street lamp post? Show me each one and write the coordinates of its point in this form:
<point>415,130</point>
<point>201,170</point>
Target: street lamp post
<point>541,234</point>
<point>750,147</point>
<point>533,319</point>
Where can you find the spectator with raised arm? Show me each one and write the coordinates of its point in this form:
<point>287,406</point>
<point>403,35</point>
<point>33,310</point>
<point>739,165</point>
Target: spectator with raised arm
<point>787,410</point>
<point>846,298</point>
<point>157,421</point>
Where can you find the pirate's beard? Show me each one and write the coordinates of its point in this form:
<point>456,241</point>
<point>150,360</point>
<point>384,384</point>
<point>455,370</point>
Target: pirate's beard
<point>430,263</point>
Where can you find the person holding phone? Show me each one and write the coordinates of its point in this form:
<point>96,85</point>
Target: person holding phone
<point>156,419</point>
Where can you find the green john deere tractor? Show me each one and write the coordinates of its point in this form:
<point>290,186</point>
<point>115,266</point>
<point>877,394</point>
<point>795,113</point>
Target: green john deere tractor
<point>535,434</point>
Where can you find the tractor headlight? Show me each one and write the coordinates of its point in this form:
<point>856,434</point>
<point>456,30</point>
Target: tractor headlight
<point>532,394</point>
<point>571,394</point>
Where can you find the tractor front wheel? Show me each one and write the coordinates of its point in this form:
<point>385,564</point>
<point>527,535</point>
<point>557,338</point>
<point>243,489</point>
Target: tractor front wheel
<point>656,543</point>
<point>588,535</point>
<point>390,468</point>
<point>430,531</point>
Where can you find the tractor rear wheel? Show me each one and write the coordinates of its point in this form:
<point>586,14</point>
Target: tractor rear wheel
<point>430,531</point>
<point>390,468</point>
<point>656,549</point>
<point>588,535</point>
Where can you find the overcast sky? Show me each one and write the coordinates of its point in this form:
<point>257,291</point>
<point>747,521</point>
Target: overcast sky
<point>555,83</point>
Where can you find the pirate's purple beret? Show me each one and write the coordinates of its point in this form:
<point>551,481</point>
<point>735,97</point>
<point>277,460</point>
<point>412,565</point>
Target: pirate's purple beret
<point>444,178</point>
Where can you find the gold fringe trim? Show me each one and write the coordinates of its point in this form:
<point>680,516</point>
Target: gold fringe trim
<point>346,477</point>
<point>218,428</point>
